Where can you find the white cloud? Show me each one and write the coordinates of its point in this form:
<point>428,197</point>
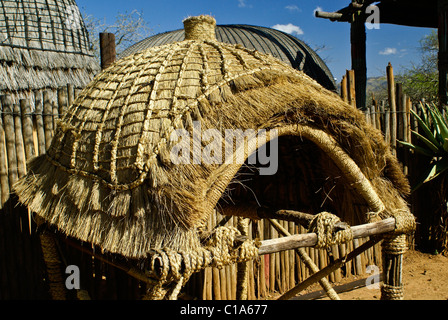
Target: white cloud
<point>403,52</point>
<point>388,51</point>
<point>293,8</point>
<point>288,28</point>
<point>243,4</point>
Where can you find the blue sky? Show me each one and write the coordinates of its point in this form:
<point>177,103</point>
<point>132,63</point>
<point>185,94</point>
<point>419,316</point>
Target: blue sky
<point>395,44</point>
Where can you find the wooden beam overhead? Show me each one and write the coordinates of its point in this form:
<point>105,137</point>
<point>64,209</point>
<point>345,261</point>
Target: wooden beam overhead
<point>413,13</point>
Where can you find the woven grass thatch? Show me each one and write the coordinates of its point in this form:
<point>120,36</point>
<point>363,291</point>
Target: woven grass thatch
<point>283,46</point>
<point>43,44</point>
<point>108,178</point>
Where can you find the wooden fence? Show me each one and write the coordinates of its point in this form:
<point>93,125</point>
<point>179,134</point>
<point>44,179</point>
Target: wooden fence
<point>26,129</point>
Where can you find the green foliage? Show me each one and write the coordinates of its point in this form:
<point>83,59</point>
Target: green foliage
<point>433,139</point>
<point>420,81</point>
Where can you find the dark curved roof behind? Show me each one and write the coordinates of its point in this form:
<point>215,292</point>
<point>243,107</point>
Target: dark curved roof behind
<point>274,42</point>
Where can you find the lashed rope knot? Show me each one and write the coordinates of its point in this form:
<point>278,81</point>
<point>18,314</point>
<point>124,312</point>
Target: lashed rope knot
<point>395,242</point>
<point>173,269</point>
<point>323,224</point>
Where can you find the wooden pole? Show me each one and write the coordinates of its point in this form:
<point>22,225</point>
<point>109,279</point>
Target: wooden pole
<point>27,123</point>
<point>8,121</point>
<point>48,118</point>
<point>393,107</point>
<point>107,49</point>
<point>400,109</point>
<point>62,101</point>
<point>351,89</point>
<point>358,52</point>
<point>344,88</point>
<point>327,270</point>
<point>404,114</point>
<point>216,285</point>
<point>38,113</point>
<point>308,262</point>
<point>310,239</point>
<point>70,94</point>
<point>392,288</point>
<point>55,108</point>
<point>242,273</point>
<point>20,149</point>
<point>387,126</point>
<point>4,178</point>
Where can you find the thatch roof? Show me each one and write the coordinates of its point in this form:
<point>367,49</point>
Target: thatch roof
<point>43,44</point>
<point>108,177</point>
<point>280,45</point>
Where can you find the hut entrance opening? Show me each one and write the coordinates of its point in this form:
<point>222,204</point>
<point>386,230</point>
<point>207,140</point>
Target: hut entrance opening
<point>306,180</point>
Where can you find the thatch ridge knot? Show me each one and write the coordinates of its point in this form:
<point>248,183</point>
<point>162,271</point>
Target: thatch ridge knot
<point>200,28</point>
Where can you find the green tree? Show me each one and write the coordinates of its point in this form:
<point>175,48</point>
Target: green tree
<point>420,81</point>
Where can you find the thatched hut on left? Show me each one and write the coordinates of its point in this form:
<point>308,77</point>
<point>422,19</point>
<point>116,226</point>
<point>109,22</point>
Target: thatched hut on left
<point>45,59</point>
<point>43,44</point>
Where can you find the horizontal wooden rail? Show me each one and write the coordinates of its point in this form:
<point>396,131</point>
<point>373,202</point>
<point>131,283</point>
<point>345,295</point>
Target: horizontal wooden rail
<point>310,239</point>
<point>267,246</point>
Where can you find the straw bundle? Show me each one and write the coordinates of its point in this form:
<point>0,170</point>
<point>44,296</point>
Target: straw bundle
<point>108,178</point>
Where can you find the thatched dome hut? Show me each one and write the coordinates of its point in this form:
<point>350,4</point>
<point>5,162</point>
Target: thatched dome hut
<point>44,44</point>
<point>278,44</point>
<point>110,178</point>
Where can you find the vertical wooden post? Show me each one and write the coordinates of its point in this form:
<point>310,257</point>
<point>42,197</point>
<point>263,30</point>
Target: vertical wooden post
<point>10,138</point>
<point>351,96</point>
<point>408,118</point>
<point>243,267</point>
<point>344,88</point>
<point>387,125</point>
<point>400,109</point>
<point>393,107</point>
<point>48,118</point>
<point>393,248</point>
<point>20,149</point>
<point>443,50</point>
<point>70,94</point>
<point>38,113</point>
<point>62,101</point>
<point>107,49</point>
<point>4,178</point>
<point>27,123</point>
<point>215,271</point>
<point>358,52</point>
<point>404,117</point>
